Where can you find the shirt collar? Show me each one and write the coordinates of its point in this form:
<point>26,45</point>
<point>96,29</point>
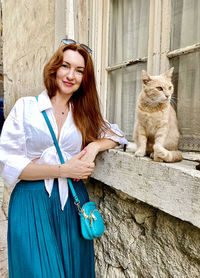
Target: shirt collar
<point>44,101</point>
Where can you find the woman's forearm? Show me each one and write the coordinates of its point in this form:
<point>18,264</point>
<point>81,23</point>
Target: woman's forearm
<point>73,168</point>
<point>40,171</point>
<point>104,144</point>
<point>97,146</point>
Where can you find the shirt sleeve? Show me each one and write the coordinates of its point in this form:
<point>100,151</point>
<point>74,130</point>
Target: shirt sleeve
<point>116,135</point>
<point>13,146</point>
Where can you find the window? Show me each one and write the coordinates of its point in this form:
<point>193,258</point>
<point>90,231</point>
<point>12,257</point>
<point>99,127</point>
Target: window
<point>184,55</point>
<point>127,56</point>
<point>154,35</point>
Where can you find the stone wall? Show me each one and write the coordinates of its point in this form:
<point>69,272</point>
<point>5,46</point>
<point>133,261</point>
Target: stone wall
<point>141,241</point>
<point>1,53</point>
<point>28,36</point>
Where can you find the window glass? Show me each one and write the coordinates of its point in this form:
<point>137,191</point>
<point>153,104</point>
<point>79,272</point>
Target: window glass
<point>124,87</point>
<point>128,36</point>
<point>128,39</point>
<point>185,27</point>
<point>186,80</point>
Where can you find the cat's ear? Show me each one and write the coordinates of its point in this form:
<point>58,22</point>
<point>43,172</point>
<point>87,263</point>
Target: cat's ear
<point>145,77</point>
<point>168,74</point>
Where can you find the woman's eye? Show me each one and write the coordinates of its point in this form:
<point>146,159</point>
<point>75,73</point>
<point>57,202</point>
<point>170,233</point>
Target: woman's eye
<point>65,66</point>
<point>80,71</point>
<point>159,88</point>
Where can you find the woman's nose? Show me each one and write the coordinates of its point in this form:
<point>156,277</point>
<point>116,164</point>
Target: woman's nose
<point>71,74</point>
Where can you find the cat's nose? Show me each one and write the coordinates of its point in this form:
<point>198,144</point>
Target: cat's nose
<point>167,96</point>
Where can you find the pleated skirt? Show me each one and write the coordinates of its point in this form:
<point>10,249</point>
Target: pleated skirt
<point>43,240</point>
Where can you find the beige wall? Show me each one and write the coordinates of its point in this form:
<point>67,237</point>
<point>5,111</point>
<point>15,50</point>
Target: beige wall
<point>28,35</point>
<point>1,53</point>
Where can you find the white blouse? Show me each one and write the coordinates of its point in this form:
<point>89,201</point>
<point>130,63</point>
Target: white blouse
<point>25,136</point>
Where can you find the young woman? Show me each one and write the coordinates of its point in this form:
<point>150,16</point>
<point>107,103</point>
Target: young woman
<point>44,237</point>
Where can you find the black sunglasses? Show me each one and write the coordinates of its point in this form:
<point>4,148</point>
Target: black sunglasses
<point>69,41</point>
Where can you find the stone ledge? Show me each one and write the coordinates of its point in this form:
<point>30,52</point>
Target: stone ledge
<point>171,187</point>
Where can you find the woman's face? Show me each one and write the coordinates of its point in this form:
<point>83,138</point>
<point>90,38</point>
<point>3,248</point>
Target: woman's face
<point>70,74</point>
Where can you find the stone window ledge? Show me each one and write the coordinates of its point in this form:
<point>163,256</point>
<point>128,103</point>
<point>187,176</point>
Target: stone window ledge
<point>171,187</point>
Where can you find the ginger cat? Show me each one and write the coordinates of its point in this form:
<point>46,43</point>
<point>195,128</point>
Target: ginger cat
<point>156,128</point>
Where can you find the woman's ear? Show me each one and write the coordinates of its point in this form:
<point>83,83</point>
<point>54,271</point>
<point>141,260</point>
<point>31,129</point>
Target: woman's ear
<point>145,77</point>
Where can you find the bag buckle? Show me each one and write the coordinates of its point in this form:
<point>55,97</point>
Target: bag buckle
<point>78,206</point>
<point>91,216</point>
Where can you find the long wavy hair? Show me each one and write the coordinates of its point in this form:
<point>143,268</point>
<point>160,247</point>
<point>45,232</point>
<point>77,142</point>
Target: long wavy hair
<point>84,102</point>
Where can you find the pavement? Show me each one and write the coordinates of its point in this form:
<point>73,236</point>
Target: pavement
<point>3,245</point>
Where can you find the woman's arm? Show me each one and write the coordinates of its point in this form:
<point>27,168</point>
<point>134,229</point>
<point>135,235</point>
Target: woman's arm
<point>78,167</point>
<point>73,168</point>
<point>97,146</point>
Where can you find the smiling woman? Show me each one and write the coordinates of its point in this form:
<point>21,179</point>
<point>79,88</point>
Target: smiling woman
<point>44,237</point>
<point>69,76</point>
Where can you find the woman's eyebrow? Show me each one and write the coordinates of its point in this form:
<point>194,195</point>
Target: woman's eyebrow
<point>70,64</point>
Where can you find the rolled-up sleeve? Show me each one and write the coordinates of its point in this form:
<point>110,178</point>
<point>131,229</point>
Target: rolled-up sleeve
<point>13,157</point>
<point>115,134</point>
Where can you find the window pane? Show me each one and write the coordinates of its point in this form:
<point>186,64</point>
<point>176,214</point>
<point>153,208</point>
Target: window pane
<point>186,80</point>
<point>185,28</point>
<point>124,87</point>
<point>129,25</point>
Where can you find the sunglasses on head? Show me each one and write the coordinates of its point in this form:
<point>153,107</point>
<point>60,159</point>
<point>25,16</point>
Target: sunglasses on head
<point>69,41</point>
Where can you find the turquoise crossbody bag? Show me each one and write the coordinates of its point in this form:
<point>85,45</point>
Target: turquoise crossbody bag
<point>92,225</point>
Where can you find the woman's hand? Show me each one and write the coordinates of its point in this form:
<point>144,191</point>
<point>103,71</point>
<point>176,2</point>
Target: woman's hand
<point>76,167</point>
<point>97,146</point>
<point>92,150</point>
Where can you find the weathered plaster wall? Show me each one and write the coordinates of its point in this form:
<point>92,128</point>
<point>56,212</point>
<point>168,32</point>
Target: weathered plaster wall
<point>1,53</point>
<point>28,35</point>
<point>141,241</point>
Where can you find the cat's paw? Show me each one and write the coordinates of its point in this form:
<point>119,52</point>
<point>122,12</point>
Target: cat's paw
<point>140,153</point>
<point>157,159</point>
<point>160,153</point>
<point>152,155</point>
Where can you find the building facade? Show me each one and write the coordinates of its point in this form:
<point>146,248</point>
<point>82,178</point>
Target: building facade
<point>151,210</point>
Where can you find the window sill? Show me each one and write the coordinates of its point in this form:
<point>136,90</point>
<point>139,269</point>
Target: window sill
<point>171,187</point>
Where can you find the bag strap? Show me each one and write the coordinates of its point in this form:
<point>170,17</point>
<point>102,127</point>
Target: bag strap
<point>76,199</point>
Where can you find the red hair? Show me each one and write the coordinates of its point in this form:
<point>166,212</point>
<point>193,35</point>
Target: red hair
<point>84,102</point>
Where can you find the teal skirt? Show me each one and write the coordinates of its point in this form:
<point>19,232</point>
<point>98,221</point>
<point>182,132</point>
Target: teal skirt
<point>43,240</point>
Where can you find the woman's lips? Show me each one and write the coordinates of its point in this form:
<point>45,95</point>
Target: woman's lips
<point>69,84</point>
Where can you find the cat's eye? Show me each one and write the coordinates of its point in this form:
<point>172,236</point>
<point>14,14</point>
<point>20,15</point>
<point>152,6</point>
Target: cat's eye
<point>159,88</point>
<point>170,87</point>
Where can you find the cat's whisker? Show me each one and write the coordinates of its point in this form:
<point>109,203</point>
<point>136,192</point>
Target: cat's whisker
<point>175,97</point>
<point>173,102</point>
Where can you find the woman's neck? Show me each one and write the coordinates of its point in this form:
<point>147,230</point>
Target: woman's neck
<point>60,100</point>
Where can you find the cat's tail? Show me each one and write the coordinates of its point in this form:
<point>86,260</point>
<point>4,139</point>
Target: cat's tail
<point>173,156</point>
<point>161,153</point>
